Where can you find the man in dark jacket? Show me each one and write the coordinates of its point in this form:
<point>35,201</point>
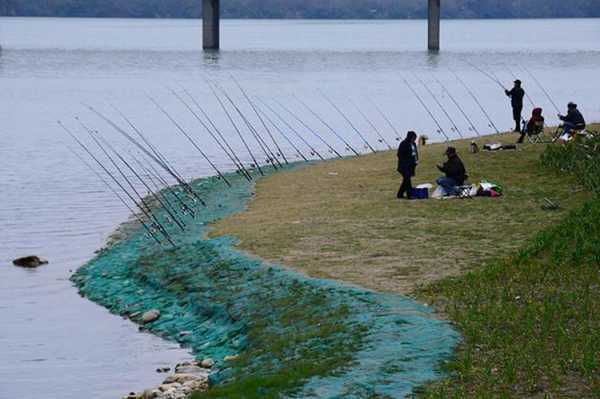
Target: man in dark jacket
<point>516,95</point>
<point>408,157</point>
<point>454,171</point>
<point>573,119</point>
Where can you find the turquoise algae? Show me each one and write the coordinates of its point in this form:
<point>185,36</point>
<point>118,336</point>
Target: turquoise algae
<point>272,332</point>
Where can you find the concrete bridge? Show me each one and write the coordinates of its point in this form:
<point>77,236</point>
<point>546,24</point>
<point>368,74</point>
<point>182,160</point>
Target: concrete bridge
<point>211,18</point>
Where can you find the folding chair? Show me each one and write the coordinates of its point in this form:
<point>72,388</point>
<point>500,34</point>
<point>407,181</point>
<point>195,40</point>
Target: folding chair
<point>536,135</point>
<point>578,130</point>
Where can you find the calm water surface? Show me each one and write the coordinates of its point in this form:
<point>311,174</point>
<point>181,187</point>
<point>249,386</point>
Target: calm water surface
<point>54,344</point>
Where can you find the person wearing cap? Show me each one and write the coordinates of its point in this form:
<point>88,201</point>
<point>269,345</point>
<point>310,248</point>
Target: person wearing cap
<point>408,157</point>
<point>454,171</point>
<point>516,95</point>
<point>572,121</point>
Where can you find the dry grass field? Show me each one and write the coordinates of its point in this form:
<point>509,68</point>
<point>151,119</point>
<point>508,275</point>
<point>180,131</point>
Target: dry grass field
<point>340,219</point>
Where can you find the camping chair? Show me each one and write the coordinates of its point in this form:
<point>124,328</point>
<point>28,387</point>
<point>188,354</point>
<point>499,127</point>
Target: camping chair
<point>578,130</point>
<point>536,135</point>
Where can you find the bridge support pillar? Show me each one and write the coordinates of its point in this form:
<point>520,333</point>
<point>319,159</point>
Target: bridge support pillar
<point>433,20</point>
<point>210,24</point>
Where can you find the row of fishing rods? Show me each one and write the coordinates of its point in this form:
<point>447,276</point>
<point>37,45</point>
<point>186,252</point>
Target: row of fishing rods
<point>494,78</point>
<point>471,126</point>
<point>124,173</point>
<point>258,125</point>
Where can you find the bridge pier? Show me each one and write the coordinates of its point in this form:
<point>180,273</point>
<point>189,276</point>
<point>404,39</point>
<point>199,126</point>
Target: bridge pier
<point>210,24</point>
<point>433,21</point>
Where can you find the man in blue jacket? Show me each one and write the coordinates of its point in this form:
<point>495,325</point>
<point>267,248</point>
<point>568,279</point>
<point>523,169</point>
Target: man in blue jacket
<point>408,157</point>
<point>573,120</point>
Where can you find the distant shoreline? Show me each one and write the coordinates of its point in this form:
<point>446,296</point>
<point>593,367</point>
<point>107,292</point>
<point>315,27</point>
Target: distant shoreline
<point>302,18</point>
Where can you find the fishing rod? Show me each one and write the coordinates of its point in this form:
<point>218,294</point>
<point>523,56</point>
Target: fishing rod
<point>185,209</point>
<point>97,140</point>
<point>440,128</point>
<point>349,121</point>
<point>280,152</point>
<point>310,129</point>
<point>135,215</point>
<point>491,124</point>
<point>313,151</point>
<point>460,108</point>
<point>290,142</point>
<point>158,191</point>
<point>537,82</point>
<point>398,138</point>
<point>316,115</point>
<point>490,76</point>
<point>231,157</point>
<point>439,103</point>
<point>141,199</point>
<point>180,181</point>
<point>239,133</point>
<point>512,73</point>
<point>245,172</point>
<point>143,209</point>
<point>366,118</point>
<point>154,150</point>
<point>170,211</point>
<point>270,156</point>
<point>191,140</point>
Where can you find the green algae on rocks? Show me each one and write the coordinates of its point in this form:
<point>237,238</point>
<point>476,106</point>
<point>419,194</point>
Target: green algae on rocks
<point>272,332</point>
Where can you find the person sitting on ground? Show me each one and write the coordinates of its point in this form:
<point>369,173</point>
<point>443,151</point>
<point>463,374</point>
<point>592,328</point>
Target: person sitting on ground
<point>454,171</point>
<point>534,126</point>
<point>572,121</point>
<point>516,95</point>
<point>408,157</point>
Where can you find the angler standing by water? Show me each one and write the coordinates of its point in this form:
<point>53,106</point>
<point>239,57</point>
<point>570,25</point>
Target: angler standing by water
<point>408,157</point>
<point>516,95</point>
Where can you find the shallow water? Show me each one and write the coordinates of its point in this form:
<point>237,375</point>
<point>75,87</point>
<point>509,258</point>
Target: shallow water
<point>55,344</point>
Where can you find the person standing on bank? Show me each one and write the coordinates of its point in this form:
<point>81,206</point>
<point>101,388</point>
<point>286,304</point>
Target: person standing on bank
<point>516,95</point>
<point>408,158</point>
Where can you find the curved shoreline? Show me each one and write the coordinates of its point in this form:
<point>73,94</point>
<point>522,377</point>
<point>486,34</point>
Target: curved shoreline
<point>346,341</point>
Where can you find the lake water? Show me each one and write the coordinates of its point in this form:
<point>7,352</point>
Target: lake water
<point>54,343</point>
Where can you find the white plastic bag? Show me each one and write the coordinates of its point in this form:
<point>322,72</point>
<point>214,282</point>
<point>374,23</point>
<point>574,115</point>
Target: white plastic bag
<point>439,193</point>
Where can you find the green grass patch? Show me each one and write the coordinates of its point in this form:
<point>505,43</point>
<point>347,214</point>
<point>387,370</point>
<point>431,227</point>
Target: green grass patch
<point>531,322</point>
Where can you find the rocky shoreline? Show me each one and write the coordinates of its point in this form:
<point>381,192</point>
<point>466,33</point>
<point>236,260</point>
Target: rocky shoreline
<point>188,377</point>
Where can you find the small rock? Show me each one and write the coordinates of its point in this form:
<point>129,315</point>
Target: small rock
<point>30,261</point>
<point>180,378</point>
<point>150,394</point>
<point>150,316</point>
<point>207,363</point>
<point>190,369</point>
<point>185,333</point>
<point>229,358</point>
<point>163,369</point>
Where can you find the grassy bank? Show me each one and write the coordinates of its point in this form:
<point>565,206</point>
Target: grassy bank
<point>271,332</point>
<point>341,220</point>
<point>531,322</point>
<point>522,284</point>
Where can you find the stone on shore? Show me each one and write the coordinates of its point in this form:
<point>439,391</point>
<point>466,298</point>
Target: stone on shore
<point>207,363</point>
<point>189,377</point>
<point>30,261</point>
<point>150,316</point>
